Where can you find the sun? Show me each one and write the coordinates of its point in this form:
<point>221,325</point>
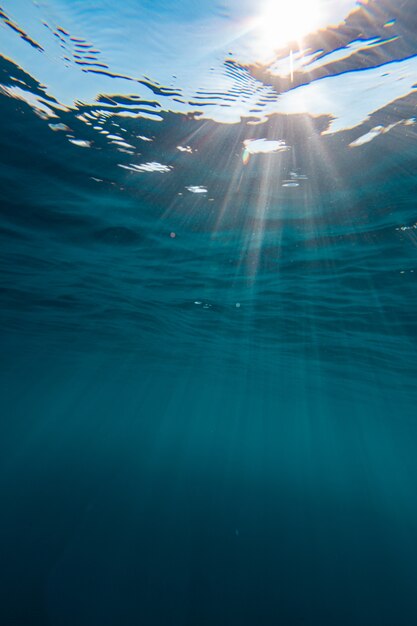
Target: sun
<point>283,21</point>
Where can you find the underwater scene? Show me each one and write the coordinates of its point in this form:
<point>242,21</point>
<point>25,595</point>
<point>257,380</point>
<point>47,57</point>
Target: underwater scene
<point>208,282</point>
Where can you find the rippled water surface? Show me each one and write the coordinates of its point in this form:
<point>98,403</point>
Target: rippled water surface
<point>208,312</point>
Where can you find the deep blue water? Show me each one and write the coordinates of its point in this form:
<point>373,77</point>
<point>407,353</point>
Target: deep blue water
<point>208,317</point>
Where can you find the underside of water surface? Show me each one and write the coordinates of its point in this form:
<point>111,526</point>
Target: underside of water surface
<point>208,248</point>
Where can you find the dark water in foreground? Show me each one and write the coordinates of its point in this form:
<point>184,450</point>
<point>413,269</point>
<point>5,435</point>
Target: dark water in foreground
<point>208,401</point>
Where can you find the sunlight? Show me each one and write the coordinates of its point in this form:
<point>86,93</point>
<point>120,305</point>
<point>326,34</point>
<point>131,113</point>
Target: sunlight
<point>284,21</point>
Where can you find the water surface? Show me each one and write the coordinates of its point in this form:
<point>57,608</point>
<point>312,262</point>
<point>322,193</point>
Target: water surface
<point>208,329</point>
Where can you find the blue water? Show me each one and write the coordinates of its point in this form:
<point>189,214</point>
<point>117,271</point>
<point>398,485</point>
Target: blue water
<point>208,315</point>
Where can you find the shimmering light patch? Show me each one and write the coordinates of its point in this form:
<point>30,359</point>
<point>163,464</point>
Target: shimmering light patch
<point>337,96</point>
<point>379,130</point>
<point>404,228</point>
<point>83,118</point>
<point>298,176</point>
<point>59,126</point>
<point>82,143</point>
<point>293,179</point>
<point>147,167</point>
<point>262,146</point>
<point>122,144</point>
<point>290,183</point>
<point>352,48</point>
<point>197,189</point>
<point>38,104</point>
<point>185,149</point>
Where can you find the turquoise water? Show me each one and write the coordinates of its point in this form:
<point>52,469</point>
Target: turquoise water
<point>208,315</point>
